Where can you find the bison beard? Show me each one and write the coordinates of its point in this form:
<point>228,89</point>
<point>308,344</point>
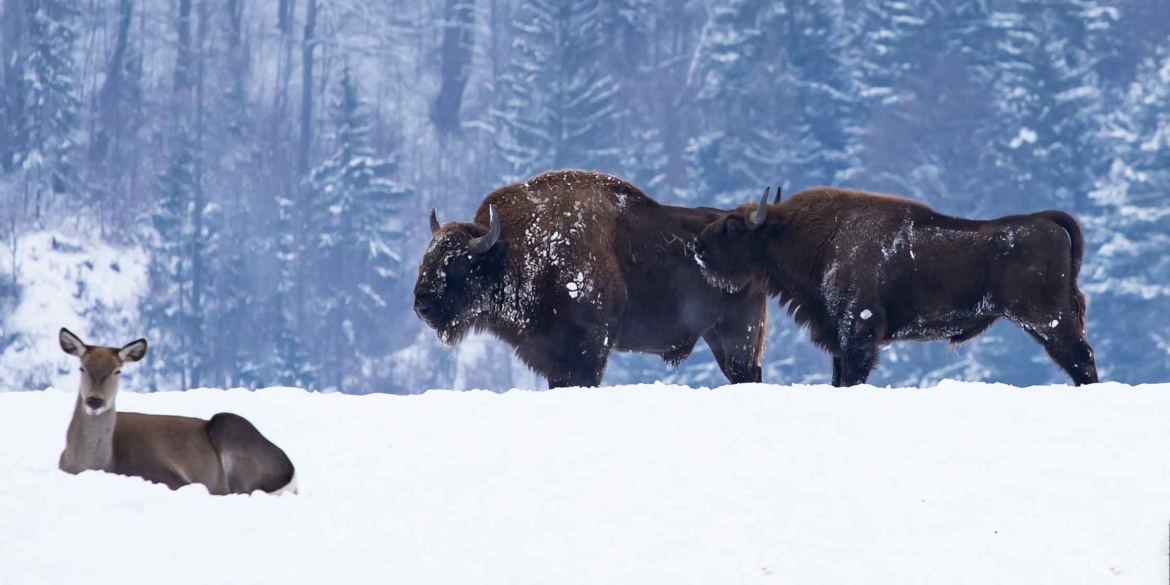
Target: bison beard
<point>573,265</point>
<point>863,270</point>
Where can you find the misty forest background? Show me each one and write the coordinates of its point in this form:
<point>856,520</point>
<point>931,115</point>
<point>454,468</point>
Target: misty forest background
<point>276,158</point>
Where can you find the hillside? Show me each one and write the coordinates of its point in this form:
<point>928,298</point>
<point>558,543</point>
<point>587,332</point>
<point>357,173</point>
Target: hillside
<point>87,285</point>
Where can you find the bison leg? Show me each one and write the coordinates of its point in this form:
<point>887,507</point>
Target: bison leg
<point>583,362</point>
<point>1066,345</point>
<point>857,362</point>
<point>577,379</point>
<point>859,351</point>
<point>836,371</point>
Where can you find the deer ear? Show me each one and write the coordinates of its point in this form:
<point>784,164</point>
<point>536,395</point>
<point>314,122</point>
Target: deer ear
<point>134,351</point>
<point>70,343</point>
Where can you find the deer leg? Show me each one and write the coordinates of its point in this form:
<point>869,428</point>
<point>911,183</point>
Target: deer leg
<point>170,478</point>
<point>250,461</point>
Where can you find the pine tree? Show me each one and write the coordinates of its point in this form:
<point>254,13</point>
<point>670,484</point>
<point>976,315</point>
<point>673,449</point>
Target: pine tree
<point>289,361</point>
<point>923,75</point>
<point>359,236</point>
<point>1049,99</point>
<point>173,318</point>
<point>631,53</point>
<point>50,115</point>
<point>644,160</point>
<point>164,308</point>
<point>1128,258</point>
<point>781,99</point>
<point>557,107</point>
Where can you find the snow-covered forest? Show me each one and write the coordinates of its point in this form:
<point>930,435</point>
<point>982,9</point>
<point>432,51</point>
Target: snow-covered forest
<point>246,182</point>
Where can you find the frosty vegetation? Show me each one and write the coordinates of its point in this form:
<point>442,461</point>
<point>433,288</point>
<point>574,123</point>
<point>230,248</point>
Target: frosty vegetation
<point>261,170</point>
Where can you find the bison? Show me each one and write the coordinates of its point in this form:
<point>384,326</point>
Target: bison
<point>863,270</point>
<point>570,265</point>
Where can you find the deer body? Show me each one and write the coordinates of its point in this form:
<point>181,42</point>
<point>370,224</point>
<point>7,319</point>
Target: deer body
<point>226,454</point>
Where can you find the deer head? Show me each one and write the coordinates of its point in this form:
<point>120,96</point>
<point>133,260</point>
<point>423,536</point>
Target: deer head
<point>100,368</point>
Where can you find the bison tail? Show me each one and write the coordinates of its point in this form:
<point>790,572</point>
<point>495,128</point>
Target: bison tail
<point>1073,228</point>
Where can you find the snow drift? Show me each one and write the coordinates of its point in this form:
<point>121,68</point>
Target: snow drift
<point>962,483</point>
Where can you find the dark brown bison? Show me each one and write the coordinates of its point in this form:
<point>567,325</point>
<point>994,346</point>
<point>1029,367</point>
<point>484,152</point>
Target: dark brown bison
<point>571,265</point>
<point>863,270</point>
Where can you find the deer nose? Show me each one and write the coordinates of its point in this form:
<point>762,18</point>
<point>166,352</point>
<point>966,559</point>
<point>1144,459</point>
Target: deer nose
<point>94,403</point>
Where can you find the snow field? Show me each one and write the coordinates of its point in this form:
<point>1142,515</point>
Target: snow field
<point>963,483</point>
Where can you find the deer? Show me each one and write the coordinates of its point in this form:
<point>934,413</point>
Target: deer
<point>226,453</point>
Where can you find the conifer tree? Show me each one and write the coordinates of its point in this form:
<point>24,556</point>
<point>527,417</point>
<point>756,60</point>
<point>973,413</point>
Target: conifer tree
<point>50,115</point>
<point>777,86</point>
<point>359,235</point>
<point>1128,258</point>
<point>557,106</point>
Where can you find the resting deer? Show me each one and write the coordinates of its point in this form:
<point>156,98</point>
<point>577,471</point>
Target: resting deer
<point>227,454</point>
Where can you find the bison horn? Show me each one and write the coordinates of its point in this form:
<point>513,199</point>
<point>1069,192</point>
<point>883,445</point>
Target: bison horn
<point>756,219</point>
<point>434,222</point>
<point>484,243</point>
<point>777,199</point>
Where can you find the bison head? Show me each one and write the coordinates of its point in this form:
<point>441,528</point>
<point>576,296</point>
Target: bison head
<point>732,249</point>
<point>457,276</point>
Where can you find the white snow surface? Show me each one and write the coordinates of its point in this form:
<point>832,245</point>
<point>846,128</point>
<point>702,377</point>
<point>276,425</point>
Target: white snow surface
<point>960,483</point>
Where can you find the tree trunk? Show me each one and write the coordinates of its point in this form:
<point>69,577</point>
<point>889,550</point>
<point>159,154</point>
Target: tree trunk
<point>458,26</point>
<point>181,105</point>
<point>284,24</point>
<point>236,58</point>
<point>307,90</point>
<point>183,60</point>
<point>199,350</point>
<point>12,25</point>
<point>308,44</point>
<point>110,97</point>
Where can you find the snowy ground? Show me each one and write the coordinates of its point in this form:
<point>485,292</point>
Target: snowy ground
<point>963,483</point>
